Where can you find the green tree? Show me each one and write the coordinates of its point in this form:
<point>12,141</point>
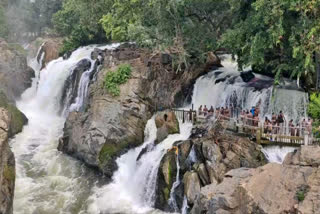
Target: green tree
<point>188,28</point>
<point>279,37</point>
<point>78,21</point>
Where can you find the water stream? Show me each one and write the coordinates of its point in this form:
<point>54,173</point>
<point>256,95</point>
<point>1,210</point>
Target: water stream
<point>134,183</point>
<point>47,181</point>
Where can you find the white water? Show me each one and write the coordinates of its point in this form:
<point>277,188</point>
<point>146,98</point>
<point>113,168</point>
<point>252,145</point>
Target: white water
<point>243,95</point>
<point>172,199</point>
<point>277,154</point>
<point>133,187</point>
<point>47,181</point>
<point>185,206</point>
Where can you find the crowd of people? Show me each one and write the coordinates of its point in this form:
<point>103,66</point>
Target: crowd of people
<point>277,124</point>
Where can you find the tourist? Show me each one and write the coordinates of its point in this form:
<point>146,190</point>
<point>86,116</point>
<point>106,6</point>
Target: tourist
<point>297,130</point>
<point>205,111</point>
<point>252,111</point>
<point>291,128</point>
<point>211,111</point>
<point>281,121</point>
<point>303,126</point>
<point>242,116</point>
<point>265,125</point>
<point>309,126</point>
<point>200,110</point>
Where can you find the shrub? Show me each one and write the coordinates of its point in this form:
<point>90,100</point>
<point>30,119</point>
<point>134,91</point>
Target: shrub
<point>115,78</point>
<point>300,195</point>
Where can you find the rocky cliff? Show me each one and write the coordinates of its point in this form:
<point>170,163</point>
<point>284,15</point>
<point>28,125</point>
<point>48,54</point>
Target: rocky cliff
<point>293,187</point>
<point>15,75</point>
<point>7,165</point>
<point>109,125</point>
<point>204,159</point>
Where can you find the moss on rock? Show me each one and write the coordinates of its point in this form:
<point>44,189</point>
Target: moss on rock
<point>9,173</point>
<point>18,119</point>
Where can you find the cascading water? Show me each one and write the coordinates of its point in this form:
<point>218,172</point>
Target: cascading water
<point>134,183</point>
<point>277,154</point>
<point>48,181</point>
<point>172,199</point>
<point>225,87</point>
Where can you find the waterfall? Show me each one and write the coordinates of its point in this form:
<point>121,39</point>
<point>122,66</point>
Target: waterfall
<point>48,181</point>
<point>134,183</point>
<point>185,206</point>
<point>172,199</point>
<point>277,154</point>
<point>225,87</point>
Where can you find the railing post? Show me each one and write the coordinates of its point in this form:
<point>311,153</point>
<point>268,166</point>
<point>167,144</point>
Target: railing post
<point>258,136</point>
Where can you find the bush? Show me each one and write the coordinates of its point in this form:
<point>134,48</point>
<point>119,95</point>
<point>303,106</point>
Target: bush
<point>314,113</point>
<point>115,78</point>
<point>300,195</point>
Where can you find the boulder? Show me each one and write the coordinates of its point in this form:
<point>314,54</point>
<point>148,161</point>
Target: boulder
<point>293,187</point>
<point>191,186</point>
<point>49,51</point>
<point>7,165</point>
<point>15,75</point>
<point>166,123</point>
<point>203,174</point>
<point>17,118</point>
<point>167,174</point>
<point>305,156</point>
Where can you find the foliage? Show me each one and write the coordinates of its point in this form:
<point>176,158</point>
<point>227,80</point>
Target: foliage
<point>314,113</point>
<point>3,23</point>
<point>115,78</point>
<point>78,20</point>
<point>187,28</point>
<point>275,36</point>
<point>300,195</point>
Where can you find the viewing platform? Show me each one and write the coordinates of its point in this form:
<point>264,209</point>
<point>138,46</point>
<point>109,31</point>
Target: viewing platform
<point>257,133</point>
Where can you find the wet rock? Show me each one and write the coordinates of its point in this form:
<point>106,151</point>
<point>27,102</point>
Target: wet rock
<point>191,186</point>
<point>166,177</point>
<point>71,85</point>
<point>7,165</point>
<point>247,76</point>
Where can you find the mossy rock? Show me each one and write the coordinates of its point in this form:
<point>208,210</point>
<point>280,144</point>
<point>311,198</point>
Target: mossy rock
<point>113,149</point>
<point>9,173</point>
<point>18,119</point>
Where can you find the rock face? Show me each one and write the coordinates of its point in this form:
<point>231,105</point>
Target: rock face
<point>7,165</point>
<point>205,158</point>
<point>109,126</point>
<point>15,75</point>
<point>290,188</point>
<point>17,118</point>
<point>50,49</point>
